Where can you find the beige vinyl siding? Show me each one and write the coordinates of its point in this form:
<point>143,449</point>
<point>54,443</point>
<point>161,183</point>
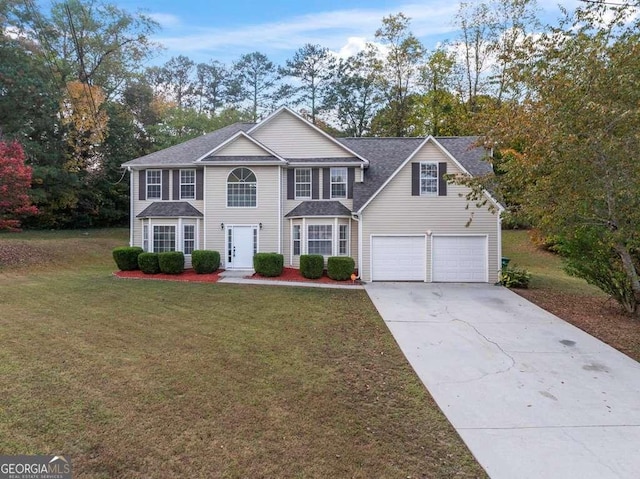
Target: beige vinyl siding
<point>241,146</point>
<point>395,212</point>
<point>217,212</point>
<point>292,138</point>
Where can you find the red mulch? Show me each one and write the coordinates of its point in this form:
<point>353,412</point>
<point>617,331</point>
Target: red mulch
<point>188,275</point>
<point>292,274</point>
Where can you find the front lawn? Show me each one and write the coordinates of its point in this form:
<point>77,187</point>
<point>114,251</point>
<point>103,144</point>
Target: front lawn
<point>571,298</point>
<point>137,379</point>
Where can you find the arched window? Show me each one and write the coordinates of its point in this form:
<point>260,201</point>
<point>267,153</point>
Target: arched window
<point>241,188</point>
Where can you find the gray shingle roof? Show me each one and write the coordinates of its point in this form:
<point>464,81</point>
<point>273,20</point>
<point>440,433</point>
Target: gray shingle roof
<point>241,159</point>
<point>319,208</point>
<point>191,150</point>
<point>170,209</point>
<point>387,154</point>
<point>351,159</point>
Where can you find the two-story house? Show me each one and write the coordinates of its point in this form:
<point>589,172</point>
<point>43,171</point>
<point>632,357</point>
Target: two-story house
<point>283,185</point>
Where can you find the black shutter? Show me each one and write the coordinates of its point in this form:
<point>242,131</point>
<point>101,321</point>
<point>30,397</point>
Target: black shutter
<point>351,178</point>
<point>315,183</point>
<point>291,184</point>
<point>326,183</point>
<point>165,184</point>
<point>199,184</point>
<point>142,185</point>
<point>442,182</point>
<point>415,179</point>
<point>176,184</point>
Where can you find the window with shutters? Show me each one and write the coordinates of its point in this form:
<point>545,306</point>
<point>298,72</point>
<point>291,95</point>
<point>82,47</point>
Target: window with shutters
<point>428,179</point>
<point>303,183</point>
<point>154,184</point>
<point>338,183</point>
<point>187,184</point>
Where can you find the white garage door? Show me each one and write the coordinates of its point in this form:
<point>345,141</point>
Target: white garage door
<point>460,259</point>
<point>398,258</point>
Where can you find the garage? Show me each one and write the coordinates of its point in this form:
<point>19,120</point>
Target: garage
<point>398,258</point>
<point>460,259</point>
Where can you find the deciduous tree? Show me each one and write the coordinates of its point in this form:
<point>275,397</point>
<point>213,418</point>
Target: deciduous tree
<point>15,182</point>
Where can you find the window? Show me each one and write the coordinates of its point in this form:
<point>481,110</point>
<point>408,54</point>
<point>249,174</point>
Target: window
<point>428,178</point>
<point>241,188</point>
<point>303,182</point>
<point>338,182</point>
<point>145,237</point>
<point>188,239</point>
<point>343,240</point>
<point>296,240</point>
<point>164,238</point>
<point>319,240</point>
<point>187,184</point>
<point>154,184</point>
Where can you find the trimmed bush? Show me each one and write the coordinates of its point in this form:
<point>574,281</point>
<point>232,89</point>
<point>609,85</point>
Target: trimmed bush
<point>205,261</point>
<point>148,263</point>
<point>171,262</point>
<point>513,277</point>
<point>126,257</point>
<point>268,264</point>
<point>340,267</point>
<point>311,265</point>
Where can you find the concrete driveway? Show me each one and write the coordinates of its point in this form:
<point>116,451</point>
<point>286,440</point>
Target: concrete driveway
<point>531,395</point>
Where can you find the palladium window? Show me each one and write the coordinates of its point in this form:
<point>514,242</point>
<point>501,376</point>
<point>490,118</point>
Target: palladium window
<point>303,182</point>
<point>241,188</point>
<point>338,182</point>
<point>343,240</point>
<point>164,239</point>
<point>296,240</point>
<point>188,239</point>
<point>154,184</point>
<point>187,184</point>
<point>428,178</point>
<point>319,240</point>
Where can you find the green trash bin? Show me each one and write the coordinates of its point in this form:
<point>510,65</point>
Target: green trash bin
<point>505,262</point>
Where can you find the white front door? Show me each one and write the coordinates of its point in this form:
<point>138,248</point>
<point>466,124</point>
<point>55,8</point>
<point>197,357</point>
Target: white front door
<point>241,245</point>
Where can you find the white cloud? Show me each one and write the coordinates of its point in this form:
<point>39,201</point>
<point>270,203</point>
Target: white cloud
<point>166,20</point>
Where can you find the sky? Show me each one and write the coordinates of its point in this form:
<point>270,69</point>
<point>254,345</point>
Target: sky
<point>207,30</point>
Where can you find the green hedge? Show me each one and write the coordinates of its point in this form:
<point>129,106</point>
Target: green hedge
<point>126,257</point>
<point>311,265</point>
<point>340,267</point>
<point>148,263</point>
<point>171,262</point>
<point>268,264</point>
<point>205,261</point>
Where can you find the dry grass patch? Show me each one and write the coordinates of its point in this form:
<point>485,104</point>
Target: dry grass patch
<point>154,379</point>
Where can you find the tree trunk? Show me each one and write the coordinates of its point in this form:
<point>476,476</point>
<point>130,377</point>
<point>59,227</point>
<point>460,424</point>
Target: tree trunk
<point>632,274</point>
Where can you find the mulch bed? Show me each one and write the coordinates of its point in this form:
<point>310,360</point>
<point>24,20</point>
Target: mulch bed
<point>292,274</point>
<point>188,275</point>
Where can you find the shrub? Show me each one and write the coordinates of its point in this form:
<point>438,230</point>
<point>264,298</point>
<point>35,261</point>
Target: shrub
<point>268,264</point>
<point>514,277</point>
<point>171,262</point>
<point>148,263</point>
<point>205,261</point>
<point>126,257</point>
<point>311,265</point>
<point>340,267</point>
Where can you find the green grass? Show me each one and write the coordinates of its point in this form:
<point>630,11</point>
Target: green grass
<point>156,379</point>
<point>546,267</point>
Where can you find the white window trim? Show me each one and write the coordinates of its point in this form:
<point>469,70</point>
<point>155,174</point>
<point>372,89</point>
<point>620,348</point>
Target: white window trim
<point>145,236</point>
<point>347,240</point>
<point>187,184</point>
<point>293,240</point>
<point>345,182</point>
<point>195,237</point>
<point>296,183</point>
<point>227,189</point>
<point>331,239</point>
<point>153,236</point>
<point>147,185</point>
<point>429,193</point>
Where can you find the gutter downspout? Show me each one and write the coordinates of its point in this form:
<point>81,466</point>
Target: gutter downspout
<point>130,205</point>
<point>356,217</point>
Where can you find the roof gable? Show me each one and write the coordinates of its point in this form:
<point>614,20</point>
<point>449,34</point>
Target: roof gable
<point>242,147</point>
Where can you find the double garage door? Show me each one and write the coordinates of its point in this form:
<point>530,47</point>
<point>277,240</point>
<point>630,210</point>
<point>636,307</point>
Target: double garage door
<point>458,259</point>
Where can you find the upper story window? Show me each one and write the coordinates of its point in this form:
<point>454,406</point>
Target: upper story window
<point>303,183</point>
<point>338,182</point>
<point>187,184</point>
<point>154,184</point>
<point>428,179</point>
<point>241,188</point>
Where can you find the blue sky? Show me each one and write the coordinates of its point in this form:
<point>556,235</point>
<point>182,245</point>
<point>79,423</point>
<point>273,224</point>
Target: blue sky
<point>223,30</point>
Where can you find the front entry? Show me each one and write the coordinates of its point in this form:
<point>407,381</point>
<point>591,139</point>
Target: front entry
<point>242,244</point>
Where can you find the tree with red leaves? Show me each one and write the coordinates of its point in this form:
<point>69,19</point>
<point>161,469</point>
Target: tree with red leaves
<point>15,182</point>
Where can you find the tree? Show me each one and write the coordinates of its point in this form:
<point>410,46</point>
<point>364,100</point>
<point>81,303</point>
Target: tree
<point>177,73</point>
<point>15,181</point>
<point>213,82</point>
<point>313,66</point>
<point>404,52</point>
<point>257,77</point>
<point>577,130</point>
